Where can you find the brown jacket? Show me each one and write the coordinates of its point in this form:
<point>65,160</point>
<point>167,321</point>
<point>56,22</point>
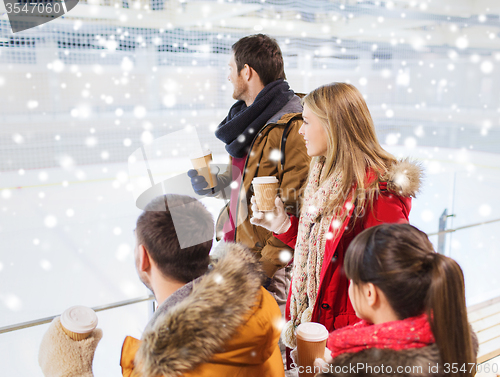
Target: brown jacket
<point>264,159</point>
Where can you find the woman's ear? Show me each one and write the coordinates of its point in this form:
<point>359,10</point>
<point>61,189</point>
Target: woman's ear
<point>370,292</point>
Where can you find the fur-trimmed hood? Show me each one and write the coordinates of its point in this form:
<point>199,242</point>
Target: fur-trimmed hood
<point>203,325</point>
<point>419,362</point>
<point>404,178</point>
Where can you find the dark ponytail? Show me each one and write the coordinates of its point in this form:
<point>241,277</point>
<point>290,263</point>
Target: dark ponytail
<point>448,314</point>
<point>400,260</point>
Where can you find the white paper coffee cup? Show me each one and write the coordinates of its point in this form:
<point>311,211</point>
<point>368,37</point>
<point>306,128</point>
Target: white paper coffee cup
<point>78,322</point>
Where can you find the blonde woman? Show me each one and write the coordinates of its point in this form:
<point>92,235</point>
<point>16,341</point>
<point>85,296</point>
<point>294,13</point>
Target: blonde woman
<point>353,184</point>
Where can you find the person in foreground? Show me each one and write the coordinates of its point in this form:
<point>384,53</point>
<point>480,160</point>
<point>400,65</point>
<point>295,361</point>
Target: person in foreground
<point>412,304</point>
<point>353,184</point>
<point>211,321</point>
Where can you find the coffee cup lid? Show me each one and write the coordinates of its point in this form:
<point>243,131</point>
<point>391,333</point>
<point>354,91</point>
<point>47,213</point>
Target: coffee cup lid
<point>199,154</point>
<point>264,180</point>
<point>312,332</point>
<point>79,319</point>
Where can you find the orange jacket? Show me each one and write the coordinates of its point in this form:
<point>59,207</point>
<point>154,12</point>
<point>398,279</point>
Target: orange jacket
<point>241,340</point>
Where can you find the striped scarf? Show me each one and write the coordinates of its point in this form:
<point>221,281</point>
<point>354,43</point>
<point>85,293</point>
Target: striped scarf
<point>310,248</point>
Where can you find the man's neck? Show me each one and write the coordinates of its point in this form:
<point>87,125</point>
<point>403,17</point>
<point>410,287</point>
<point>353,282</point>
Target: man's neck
<point>253,91</point>
<point>163,288</point>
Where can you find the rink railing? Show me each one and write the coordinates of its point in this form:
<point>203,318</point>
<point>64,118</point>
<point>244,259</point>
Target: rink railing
<point>42,321</point>
<point>462,227</point>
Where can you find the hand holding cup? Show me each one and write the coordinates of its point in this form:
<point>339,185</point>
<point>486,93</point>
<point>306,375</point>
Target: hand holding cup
<point>68,352</point>
<point>276,221</point>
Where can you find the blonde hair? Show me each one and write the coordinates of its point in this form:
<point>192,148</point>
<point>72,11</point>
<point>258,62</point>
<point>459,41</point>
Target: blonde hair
<point>352,146</point>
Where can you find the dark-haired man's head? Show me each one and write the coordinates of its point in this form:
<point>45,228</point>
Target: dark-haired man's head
<point>256,60</point>
<point>166,234</point>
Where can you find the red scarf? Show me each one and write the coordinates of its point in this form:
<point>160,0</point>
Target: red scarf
<point>414,332</point>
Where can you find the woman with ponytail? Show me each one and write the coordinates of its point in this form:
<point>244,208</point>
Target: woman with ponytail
<point>353,184</point>
<point>412,304</point>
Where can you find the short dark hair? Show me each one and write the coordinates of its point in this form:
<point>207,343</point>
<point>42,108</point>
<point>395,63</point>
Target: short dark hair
<point>163,239</point>
<point>263,54</point>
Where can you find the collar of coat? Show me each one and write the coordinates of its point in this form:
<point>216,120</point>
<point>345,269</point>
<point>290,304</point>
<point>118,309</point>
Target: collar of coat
<point>195,329</point>
<point>403,178</point>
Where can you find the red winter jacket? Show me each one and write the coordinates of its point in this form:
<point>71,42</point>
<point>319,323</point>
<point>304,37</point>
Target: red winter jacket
<point>333,307</point>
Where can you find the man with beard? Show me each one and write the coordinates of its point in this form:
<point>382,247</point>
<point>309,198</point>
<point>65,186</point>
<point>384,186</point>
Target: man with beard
<point>261,136</point>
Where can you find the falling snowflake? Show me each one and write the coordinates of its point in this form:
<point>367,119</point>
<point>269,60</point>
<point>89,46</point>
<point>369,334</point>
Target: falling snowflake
<point>487,67</point>
<point>140,112</point>
<point>32,104</point>
<point>410,142</point>
<point>427,215</point>
<point>122,177</point>
<point>270,216</point>
<point>6,193</point>
<point>43,176</point>
<point>123,252</point>
<point>218,278</point>
<point>57,66</point>
<point>127,65</point>
<point>12,302</point>
<point>279,323</point>
<point>147,137</point>
<point>275,155</point>
<point>91,141</point>
<point>45,264</point>
<point>66,162</point>
<point>419,131</point>
<point>285,256</point>
<point>130,289</point>
<point>434,167</point>
<point>50,221</point>
<point>97,69</point>
<point>392,139</point>
<point>462,42</point>
<point>484,210</point>
<point>169,100</point>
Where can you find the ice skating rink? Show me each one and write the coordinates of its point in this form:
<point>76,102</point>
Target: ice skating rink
<point>69,240</point>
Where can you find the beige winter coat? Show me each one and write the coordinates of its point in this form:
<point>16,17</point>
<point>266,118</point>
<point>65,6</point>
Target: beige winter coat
<point>264,159</point>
